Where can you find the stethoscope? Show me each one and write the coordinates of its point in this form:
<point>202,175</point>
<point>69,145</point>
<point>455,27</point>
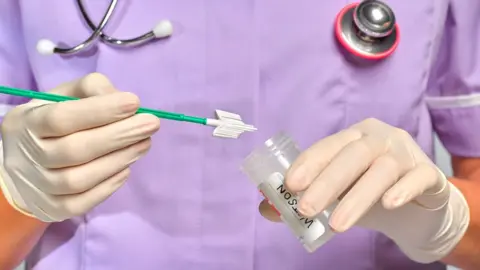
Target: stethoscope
<point>367,30</point>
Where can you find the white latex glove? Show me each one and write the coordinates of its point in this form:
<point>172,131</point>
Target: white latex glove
<point>62,159</point>
<point>386,183</point>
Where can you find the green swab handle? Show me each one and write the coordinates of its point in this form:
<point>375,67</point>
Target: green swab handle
<point>60,98</point>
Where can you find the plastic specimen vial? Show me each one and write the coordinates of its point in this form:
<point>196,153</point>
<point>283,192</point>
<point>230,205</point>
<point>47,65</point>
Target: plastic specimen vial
<point>266,168</point>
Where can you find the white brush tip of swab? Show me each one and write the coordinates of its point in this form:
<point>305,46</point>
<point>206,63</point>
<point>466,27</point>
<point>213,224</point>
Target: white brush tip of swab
<point>229,125</point>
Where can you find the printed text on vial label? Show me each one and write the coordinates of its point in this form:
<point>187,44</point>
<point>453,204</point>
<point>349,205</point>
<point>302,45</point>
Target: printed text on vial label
<point>293,201</point>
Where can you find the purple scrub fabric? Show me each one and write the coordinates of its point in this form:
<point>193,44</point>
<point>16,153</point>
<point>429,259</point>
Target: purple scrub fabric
<point>276,63</point>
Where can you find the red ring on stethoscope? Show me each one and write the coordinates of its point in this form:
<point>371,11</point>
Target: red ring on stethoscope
<point>355,50</point>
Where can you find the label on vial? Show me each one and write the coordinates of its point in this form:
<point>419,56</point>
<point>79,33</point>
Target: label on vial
<point>309,229</point>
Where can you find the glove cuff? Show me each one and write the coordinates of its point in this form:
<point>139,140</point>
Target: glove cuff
<point>10,191</point>
<point>453,227</point>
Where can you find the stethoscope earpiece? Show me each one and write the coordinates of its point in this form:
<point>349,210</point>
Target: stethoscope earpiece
<point>46,47</point>
<point>163,29</point>
<point>367,30</point>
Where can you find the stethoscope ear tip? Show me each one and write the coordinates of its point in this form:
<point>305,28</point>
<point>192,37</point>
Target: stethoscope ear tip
<point>46,47</point>
<point>163,29</point>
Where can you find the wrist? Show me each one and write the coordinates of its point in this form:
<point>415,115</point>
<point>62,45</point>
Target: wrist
<point>466,254</point>
<point>18,234</point>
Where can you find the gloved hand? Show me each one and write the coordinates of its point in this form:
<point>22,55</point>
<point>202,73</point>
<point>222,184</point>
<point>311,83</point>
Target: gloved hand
<point>385,182</point>
<point>62,159</point>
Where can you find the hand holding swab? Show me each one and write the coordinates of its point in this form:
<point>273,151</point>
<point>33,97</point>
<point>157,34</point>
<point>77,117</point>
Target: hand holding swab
<point>228,125</point>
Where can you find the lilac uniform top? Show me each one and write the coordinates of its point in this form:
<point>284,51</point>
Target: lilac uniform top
<point>187,205</point>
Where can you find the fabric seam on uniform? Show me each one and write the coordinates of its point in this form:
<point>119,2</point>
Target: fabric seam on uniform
<point>373,250</point>
<point>28,61</point>
<point>83,243</point>
<point>255,108</point>
<point>450,102</point>
<point>202,174</point>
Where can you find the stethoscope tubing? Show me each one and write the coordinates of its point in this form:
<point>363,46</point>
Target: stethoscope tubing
<point>111,40</point>
<point>97,31</point>
<point>162,30</point>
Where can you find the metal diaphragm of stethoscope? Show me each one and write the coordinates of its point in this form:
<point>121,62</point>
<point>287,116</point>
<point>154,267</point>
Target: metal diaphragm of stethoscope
<point>367,30</point>
<point>162,30</point>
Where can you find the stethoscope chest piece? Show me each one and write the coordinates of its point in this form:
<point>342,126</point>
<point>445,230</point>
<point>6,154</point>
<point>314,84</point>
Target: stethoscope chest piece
<point>367,30</point>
